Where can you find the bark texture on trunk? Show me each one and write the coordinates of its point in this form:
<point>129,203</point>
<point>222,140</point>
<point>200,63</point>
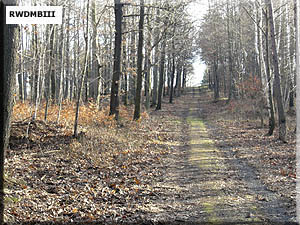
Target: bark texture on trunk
<point>277,86</point>
<point>8,43</point>
<point>114,97</point>
<point>137,109</point>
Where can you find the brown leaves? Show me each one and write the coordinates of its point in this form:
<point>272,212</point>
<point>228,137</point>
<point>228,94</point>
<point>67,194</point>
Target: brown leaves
<point>137,181</point>
<point>234,129</point>
<point>104,174</point>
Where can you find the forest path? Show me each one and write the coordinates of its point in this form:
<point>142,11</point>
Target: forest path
<point>209,185</point>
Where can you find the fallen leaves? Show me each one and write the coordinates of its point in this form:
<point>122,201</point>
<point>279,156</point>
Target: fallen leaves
<point>274,161</point>
<point>109,172</point>
<point>104,174</point>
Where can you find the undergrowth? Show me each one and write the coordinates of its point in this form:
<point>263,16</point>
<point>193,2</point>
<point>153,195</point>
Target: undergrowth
<point>88,114</point>
<point>108,163</point>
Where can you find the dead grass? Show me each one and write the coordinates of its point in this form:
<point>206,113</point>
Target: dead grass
<point>105,174</point>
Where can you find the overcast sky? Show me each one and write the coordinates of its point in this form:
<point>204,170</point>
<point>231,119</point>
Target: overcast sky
<point>197,10</point>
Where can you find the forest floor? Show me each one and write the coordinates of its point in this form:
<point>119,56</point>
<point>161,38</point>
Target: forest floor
<point>194,161</point>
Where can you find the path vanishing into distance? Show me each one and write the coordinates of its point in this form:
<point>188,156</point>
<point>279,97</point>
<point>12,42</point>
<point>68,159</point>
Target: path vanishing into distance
<point>181,168</point>
<point>207,185</point>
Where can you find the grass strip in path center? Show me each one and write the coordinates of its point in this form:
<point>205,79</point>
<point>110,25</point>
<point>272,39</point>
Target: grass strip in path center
<point>218,203</point>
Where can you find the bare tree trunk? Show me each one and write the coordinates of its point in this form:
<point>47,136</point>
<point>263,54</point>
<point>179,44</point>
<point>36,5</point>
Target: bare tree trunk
<point>37,91</point>
<point>68,89</point>
<point>132,77</point>
<point>35,65</point>
<point>83,73</point>
<point>216,79</point>
<point>183,79</point>
<point>125,61</point>
<point>148,64</point>
<point>291,67</point>
<point>8,43</point>
<point>94,61</point>
<point>114,97</point>
<point>155,67</point>
<point>137,108</point>
<point>50,71</point>
<point>62,72</point>
<point>230,58</point>
<point>172,77</point>
<point>269,84</point>
<point>297,31</point>
<point>148,77</point>
<point>21,69</point>
<point>161,75</point>
<point>179,78</point>
<point>277,86</point>
<point>148,81</point>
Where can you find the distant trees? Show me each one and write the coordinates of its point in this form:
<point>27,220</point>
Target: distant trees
<point>8,42</point>
<point>122,50</point>
<point>249,49</point>
<point>128,53</point>
<point>121,53</point>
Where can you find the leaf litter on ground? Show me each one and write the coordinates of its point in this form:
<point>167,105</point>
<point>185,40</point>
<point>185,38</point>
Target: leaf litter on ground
<point>105,174</point>
<point>110,172</point>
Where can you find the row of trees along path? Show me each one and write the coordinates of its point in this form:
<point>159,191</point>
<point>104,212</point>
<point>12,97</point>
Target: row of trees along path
<point>110,52</point>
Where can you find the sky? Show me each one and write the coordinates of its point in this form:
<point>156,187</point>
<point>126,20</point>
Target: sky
<point>197,11</point>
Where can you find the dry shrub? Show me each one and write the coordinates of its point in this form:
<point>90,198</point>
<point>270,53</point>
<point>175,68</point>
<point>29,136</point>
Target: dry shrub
<point>88,115</point>
<point>251,104</point>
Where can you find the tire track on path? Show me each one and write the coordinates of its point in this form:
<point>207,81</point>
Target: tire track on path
<point>207,185</point>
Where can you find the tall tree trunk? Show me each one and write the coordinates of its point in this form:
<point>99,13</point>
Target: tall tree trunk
<point>62,71</point>
<point>8,43</point>
<point>297,32</point>
<point>294,59</point>
<point>125,75</point>
<point>155,66</point>
<point>94,62</point>
<point>183,78</point>
<point>21,69</point>
<point>296,24</point>
<point>277,86</point>
<point>137,108</point>
<point>83,73</point>
<point>124,86</point>
<point>172,77</point>
<point>259,63</point>
<point>148,80</point>
<point>148,65</point>
<point>50,70</point>
<point>268,75</point>
<point>169,70</point>
<point>216,79</point>
<point>178,80</point>
<point>35,65</point>
<point>161,75</point>
<point>290,60</point>
<point>132,77</point>
<point>68,89</point>
<point>37,87</point>
<point>230,60</point>
<point>114,97</point>
<point>210,79</point>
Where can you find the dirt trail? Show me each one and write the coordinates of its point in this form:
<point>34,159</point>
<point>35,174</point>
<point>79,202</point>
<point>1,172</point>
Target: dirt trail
<point>207,185</point>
